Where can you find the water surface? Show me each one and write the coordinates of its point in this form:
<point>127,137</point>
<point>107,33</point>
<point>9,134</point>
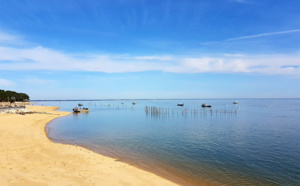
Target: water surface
<point>256,142</point>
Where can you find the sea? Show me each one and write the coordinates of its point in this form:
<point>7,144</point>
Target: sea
<point>254,142</point>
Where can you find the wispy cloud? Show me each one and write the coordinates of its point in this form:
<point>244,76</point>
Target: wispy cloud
<point>6,83</point>
<point>38,81</point>
<point>12,40</point>
<point>234,55</point>
<point>7,38</point>
<point>263,35</point>
<point>41,58</point>
<point>253,36</point>
<point>240,1</point>
<point>161,58</point>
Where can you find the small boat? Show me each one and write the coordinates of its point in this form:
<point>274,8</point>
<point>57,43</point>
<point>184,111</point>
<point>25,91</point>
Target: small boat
<point>180,104</point>
<point>79,104</point>
<point>85,110</point>
<point>80,110</point>
<point>76,109</point>
<point>133,103</point>
<point>205,105</point>
<point>235,102</point>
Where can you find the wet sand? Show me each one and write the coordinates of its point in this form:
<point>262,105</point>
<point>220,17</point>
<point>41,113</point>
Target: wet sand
<point>28,157</point>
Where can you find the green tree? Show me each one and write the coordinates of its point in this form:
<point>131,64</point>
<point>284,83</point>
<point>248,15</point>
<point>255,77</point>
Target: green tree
<point>12,95</point>
<point>2,95</point>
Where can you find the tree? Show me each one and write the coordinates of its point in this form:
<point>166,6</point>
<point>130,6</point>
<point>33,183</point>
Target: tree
<point>2,95</point>
<point>12,95</point>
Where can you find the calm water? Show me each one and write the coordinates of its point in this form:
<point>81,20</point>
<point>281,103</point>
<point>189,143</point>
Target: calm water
<point>256,142</point>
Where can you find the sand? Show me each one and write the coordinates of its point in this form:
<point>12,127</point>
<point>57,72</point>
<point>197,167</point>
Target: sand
<point>28,157</point>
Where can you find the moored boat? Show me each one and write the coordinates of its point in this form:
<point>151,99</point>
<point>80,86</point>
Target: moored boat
<point>205,105</point>
<point>180,104</point>
<point>76,109</point>
<point>84,110</point>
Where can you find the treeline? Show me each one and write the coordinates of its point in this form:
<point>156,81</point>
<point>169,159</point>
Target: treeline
<point>12,96</point>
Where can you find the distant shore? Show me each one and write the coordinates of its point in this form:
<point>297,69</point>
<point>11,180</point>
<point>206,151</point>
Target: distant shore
<point>14,104</point>
<point>28,157</point>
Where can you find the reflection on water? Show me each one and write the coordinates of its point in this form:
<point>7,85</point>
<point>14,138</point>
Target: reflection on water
<point>255,142</point>
<point>80,113</point>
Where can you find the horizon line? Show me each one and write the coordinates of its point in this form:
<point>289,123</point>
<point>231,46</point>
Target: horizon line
<point>151,99</point>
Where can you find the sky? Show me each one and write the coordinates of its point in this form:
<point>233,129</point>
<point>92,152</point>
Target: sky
<point>150,49</point>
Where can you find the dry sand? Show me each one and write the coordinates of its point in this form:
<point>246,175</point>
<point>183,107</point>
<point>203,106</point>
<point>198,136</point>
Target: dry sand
<point>28,157</point>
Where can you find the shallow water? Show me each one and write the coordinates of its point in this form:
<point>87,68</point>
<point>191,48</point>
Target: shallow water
<point>256,142</point>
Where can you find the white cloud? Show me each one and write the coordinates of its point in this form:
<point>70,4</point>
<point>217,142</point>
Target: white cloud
<point>6,83</point>
<point>4,37</point>
<point>41,58</point>
<point>209,64</point>
<point>13,40</point>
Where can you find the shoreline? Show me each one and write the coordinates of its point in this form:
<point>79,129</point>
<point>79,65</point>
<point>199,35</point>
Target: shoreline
<point>29,157</point>
<point>170,174</point>
<point>162,170</point>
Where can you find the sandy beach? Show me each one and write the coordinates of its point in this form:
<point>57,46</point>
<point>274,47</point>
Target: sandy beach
<point>28,157</point>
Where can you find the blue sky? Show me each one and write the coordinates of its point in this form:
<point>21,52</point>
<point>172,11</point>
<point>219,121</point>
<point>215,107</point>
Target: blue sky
<point>106,49</point>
